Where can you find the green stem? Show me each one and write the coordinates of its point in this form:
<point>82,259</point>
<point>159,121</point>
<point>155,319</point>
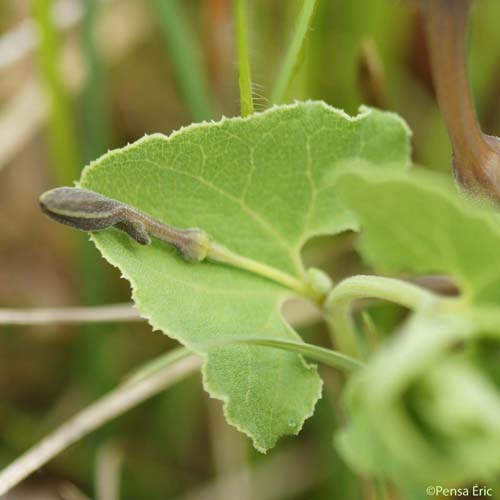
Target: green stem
<point>486,319</point>
<point>328,357</point>
<point>62,134</point>
<point>186,59</point>
<point>218,253</point>
<point>337,305</point>
<point>292,58</point>
<point>157,364</point>
<point>95,111</point>
<point>245,77</point>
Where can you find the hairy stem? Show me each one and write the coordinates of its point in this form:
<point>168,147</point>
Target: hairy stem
<point>245,76</point>
<point>103,410</point>
<point>96,119</point>
<point>62,133</point>
<point>292,58</point>
<point>339,302</point>
<point>184,53</point>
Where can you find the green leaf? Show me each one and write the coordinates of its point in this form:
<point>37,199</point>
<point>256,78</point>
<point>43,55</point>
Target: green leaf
<point>426,409</point>
<point>417,222</point>
<point>260,187</point>
<point>422,411</point>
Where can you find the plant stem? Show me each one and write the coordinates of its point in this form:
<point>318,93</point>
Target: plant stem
<point>446,32</point>
<point>328,357</point>
<point>155,365</point>
<point>62,134</point>
<point>218,253</point>
<point>333,359</point>
<point>107,471</point>
<point>338,304</point>
<point>292,58</point>
<point>115,403</point>
<point>95,112</point>
<point>186,60</point>
<point>476,156</point>
<point>245,77</point>
<point>68,315</point>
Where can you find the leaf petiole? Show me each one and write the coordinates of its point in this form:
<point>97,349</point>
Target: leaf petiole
<point>218,253</point>
<point>329,357</point>
<point>337,306</point>
<point>323,355</point>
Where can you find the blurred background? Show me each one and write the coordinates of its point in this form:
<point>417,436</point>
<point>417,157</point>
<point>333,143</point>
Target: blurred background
<point>79,77</point>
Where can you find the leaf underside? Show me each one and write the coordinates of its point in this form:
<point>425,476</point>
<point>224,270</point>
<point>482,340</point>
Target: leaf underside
<point>260,186</point>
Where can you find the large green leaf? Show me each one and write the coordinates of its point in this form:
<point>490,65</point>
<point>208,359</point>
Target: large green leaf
<point>260,187</point>
<point>418,222</point>
<point>427,407</point>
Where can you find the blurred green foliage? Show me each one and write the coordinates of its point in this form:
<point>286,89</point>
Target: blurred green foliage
<point>47,374</point>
